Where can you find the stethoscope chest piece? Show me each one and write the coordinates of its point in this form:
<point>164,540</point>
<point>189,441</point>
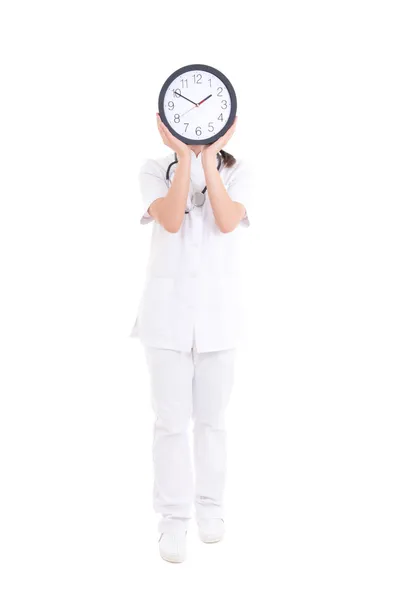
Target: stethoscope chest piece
<point>198,199</point>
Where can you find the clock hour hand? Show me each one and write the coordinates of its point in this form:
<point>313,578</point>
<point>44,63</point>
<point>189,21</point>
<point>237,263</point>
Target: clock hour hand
<point>181,96</point>
<point>204,99</point>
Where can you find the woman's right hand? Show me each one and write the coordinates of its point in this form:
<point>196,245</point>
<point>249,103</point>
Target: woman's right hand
<point>171,141</point>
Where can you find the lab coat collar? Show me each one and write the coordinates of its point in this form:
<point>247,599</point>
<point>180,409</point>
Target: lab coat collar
<point>196,164</point>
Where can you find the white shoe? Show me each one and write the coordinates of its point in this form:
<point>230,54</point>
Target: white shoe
<point>173,546</point>
<point>211,530</point>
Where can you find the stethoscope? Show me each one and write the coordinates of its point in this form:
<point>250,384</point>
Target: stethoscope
<point>198,198</point>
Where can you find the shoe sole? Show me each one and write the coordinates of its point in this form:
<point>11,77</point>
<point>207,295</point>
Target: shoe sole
<point>208,540</point>
<point>171,559</point>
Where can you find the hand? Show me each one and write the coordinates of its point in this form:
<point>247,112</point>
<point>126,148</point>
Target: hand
<point>209,153</point>
<point>171,141</point>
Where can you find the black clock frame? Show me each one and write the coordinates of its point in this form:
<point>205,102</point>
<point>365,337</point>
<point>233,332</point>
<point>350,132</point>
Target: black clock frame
<point>228,86</point>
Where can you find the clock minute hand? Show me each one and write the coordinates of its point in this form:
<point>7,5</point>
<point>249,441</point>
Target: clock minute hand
<point>181,96</point>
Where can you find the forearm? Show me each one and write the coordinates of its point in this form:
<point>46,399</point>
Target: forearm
<point>227,213</point>
<point>169,211</point>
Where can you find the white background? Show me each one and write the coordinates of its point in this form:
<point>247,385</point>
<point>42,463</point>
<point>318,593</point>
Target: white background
<point>313,491</point>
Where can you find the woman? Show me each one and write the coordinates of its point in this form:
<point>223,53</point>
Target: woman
<point>189,321</point>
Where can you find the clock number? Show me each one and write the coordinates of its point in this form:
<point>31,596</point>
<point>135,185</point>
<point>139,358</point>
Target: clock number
<point>171,105</point>
<point>224,104</point>
<point>197,131</point>
<point>210,126</point>
<point>210,82</point>
<point>197,76</point>
<point>177,118</point>
<point>219,91</point>
<point>220,118</point>
<point>186,126</point>
<point>184,83</point>
<point>177,93</point>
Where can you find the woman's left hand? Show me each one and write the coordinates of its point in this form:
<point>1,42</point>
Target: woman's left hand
<point>210,152</point>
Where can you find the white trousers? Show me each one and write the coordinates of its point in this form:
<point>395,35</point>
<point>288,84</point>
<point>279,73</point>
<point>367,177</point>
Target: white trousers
<point>188,386</point>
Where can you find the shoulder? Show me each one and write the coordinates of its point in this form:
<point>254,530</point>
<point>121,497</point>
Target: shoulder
<point>156,166</point>
<point>241,169</point>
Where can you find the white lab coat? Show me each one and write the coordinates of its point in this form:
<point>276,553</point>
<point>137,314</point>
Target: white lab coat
<point>192,290</point>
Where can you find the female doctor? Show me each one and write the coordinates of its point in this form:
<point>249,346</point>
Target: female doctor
<point>189,321</point>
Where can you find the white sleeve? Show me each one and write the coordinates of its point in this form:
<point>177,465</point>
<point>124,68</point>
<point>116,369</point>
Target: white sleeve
<point>152,185</point>
<point>239,188</point>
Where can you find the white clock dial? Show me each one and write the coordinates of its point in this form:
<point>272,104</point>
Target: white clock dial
<point>197,105</point>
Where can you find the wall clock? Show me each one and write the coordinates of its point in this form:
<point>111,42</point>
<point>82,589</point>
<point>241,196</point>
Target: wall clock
<point>198,104</point>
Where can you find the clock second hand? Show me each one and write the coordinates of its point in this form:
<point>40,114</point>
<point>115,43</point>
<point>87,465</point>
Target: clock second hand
<point>197,105</point>
<point>185,113</point>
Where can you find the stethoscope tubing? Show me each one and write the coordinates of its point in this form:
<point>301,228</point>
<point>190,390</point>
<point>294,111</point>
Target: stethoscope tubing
<point>167,177</point>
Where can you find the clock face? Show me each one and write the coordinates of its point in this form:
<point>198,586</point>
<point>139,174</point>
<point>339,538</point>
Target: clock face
<point>198,104</point>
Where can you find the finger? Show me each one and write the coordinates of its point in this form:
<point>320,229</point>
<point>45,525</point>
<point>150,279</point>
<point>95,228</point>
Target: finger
<point>167,136</point>
<point>162,133</point>
<point>226,137</point>
<point>162,128</point>
<point>159,123</point>
<point>172,139</point>
<point>165,141</point>
<point>228,134</point>
<point>231,130</point>
<point>233,126</point>
<point>168,139</point>
<point>163,136</point>
<point>165,129</point>
<point>221,143</point>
